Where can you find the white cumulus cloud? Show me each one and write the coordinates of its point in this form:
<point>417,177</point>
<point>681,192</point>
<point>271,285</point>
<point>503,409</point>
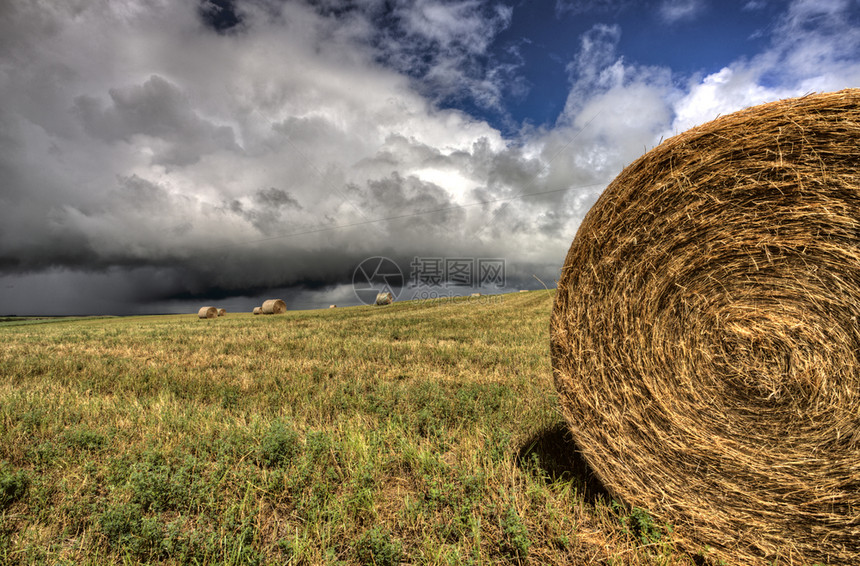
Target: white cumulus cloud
<point>672,11</point>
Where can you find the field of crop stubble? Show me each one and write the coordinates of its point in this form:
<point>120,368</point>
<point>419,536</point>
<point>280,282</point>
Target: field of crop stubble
<point>417,433</point>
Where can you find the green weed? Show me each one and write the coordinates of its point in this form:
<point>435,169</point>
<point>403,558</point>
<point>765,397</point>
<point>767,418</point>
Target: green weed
<point>13,485</point>
<point>376,547</point>
<point>279,445</point>
<point>515,542</point>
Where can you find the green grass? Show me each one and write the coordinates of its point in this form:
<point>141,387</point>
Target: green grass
<point>419,433</point>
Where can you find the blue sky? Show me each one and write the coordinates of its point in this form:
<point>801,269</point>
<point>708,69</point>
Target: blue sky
<point>690,38</point>
<point>157,154</point>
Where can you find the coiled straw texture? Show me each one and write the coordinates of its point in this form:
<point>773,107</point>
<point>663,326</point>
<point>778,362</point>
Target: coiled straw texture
<point>705,335</point>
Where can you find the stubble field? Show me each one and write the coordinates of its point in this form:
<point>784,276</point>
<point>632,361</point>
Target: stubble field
<point>418,433</point>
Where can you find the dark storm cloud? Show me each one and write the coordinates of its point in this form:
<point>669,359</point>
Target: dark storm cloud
<point>276,198</point>
<point>397,196</point>
<point>266,209</point>
<point>132,191</point>
<point>156,109</point>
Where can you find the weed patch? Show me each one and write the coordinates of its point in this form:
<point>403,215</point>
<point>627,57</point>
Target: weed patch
<point>279,445</point>
<point>376,547</point>
<point>515,541</point>
<point>13,485</point>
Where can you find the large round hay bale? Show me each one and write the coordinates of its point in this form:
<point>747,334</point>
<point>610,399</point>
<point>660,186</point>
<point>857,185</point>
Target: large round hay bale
<point>222,312</point>
<point>705,337</point>
<point>258,310</point>
<point>207,312</point>
<point>384,299</point>
<point>274,306</point>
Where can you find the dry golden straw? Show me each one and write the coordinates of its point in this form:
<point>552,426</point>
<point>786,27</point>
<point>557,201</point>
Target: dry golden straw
<point>207,312</point>
<point>274,306</point>
<point>258,310</point>
<point>705,336</point>
<point>384,299</point>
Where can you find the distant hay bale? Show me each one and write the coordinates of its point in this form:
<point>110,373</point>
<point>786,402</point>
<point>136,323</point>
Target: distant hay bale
<point>274,306</point>
<point>332,306</point>
<point>207,312</point>
<point>476,294</point>
<point>258,310</point>
<point>524,290</point>
<point>384,299</point>
<point>222,312</point>
<point>705,338</point>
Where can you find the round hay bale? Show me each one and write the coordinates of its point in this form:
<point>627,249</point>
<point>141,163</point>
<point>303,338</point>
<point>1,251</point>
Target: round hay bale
<point>258,310</point>
<point>332,306</point>
<point>274,306</point>
<point>207,312</point>
<point>705,338</point>
<point>222,312</point>
<point>384,299</point>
